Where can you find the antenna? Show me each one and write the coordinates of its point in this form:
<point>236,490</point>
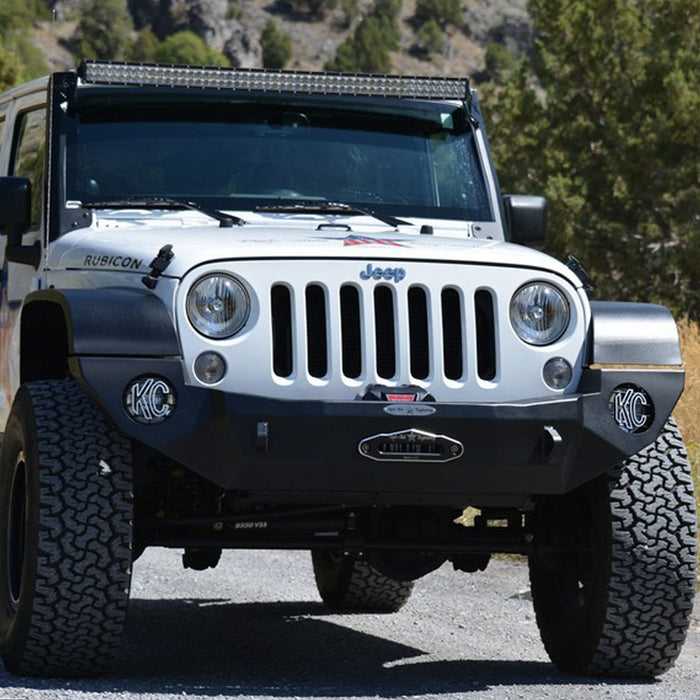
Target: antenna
<point>52,31</point>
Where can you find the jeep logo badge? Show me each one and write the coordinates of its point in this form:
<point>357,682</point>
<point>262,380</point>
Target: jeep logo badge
<point>394,274</point>
<point>631,408</point>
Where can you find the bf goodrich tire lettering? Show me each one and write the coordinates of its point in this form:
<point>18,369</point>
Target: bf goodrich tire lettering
<point>63,606</point>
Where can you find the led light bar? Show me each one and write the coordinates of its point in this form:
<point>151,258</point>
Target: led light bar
<point>255,80</point>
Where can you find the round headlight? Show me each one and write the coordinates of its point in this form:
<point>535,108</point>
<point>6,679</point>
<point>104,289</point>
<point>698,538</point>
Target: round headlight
<point>218,306</point>
<point>539,313</point>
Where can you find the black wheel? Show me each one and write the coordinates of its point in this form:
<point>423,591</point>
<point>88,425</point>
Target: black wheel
<point>66,531</point>
<point>348,583</point>
<point>613,574</point>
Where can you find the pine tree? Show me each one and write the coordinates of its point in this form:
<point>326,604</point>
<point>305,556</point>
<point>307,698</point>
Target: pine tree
<point>105,28</point>
<point>613,142</point>
<point>276,46</point>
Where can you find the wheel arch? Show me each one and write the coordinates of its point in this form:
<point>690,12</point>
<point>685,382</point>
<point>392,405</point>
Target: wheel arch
<point>629,333</point>
<point>59,324</point>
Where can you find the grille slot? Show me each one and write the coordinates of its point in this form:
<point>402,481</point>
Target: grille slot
<point>282,353</point>
<point>350,330</point>
<point>384,332</point>
<point>418,332</point>
<point>485,334</point>
<point>316,331</point>
<point>452,348</point>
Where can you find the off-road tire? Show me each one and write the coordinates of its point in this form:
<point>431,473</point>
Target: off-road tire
<point>65,558</point>
<point>613,573</point>
<point>350,584</point>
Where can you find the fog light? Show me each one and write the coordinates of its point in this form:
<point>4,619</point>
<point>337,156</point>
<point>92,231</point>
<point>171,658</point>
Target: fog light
<point>631,408</point>
<point>210,367</point>
<point>557,373</point>
<point>149,399</point>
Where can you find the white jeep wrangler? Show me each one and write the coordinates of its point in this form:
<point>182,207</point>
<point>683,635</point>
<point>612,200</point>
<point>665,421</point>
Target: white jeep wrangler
<point>267,309</point>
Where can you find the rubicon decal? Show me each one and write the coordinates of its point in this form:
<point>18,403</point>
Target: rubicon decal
<point>119,261</point>
<point>395,274</point>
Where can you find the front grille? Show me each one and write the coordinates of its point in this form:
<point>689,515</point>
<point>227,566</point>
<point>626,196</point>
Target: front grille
<point>383,333</point>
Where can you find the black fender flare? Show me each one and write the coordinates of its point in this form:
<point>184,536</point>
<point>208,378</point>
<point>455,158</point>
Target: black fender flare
<point>58,324</point>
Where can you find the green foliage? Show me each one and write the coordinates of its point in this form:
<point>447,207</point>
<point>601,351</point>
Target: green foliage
<point>144,47</point>
<point>500,62</point>
<point>430,37</point>
<point>615,142</point>
<point>349,10</point>
<point>186,48</point>
<point>367,49</point>
<point>20,60</point>
<point>10,69</point>
<point>316,8</point>
<point>17,14</point>
<point>233,11</point>
<point>105,28</point>
<point>276,46</point>
<point>444,12</point>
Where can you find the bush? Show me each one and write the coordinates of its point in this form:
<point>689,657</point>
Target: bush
<point>350,11</point>
<point>500,62</point>
<point>431,37</point>
<point>105,28</point>
<point>366,51</point>
<point>316,8</point>
<point>443,12</point>
<point>10,70</point>
<point>144,47</point>
<point>276,46</point>
<point>187,48</point>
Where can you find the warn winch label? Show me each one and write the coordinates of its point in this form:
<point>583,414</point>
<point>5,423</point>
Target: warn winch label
<point>112,261</point>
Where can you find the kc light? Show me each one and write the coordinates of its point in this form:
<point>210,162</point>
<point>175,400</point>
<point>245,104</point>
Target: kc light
<point>539,313</point>
<point>218,306</point>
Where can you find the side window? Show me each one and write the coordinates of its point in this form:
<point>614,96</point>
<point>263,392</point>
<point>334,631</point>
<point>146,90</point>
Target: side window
<point>28,157</point>
<point>2,129</point>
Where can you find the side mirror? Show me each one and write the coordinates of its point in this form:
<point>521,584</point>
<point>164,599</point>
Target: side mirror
<point>15,217</point>
<point>526,219</point>
<point>15,204</point>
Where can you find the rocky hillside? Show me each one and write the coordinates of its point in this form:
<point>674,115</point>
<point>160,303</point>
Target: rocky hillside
<point>234,28</point>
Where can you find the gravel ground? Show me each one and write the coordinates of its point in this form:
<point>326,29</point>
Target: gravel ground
<point>254,628</point>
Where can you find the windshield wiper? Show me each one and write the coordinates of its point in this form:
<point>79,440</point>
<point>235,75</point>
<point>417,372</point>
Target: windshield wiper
<point>225,220</point>
<point>325,207</point>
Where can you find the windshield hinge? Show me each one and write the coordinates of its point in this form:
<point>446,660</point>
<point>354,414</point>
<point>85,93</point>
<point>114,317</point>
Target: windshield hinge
<point>158,266</point>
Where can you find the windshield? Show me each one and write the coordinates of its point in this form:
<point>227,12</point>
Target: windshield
<point>242,156</point>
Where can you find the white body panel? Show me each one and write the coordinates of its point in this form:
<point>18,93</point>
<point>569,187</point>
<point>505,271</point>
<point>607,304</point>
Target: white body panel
<point>289,250</point>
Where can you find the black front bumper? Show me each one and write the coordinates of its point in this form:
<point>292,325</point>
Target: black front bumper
<point>312,452</point>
